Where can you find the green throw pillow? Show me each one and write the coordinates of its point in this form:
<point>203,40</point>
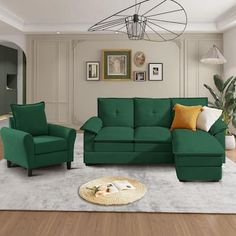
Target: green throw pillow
<point>30,118</point>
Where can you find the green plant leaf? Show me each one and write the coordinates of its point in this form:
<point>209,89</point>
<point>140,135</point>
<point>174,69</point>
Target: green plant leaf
<point>213,93</point>
<point>211,104</point>
<point>218,104</point>
<point>219,83</point>
<point>229,96</point>
<point>230,106</point>
<point>227,82</point>
<point>231,87</point>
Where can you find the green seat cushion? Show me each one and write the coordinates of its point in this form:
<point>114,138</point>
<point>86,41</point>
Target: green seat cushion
<point>152,112</point>
<point>48,144</point>
<point>30,118</point>
<point>113,147</point>
<point>152,135</point>
<point>116,112</point>
<point>195,143</point>
<point>115,134</point>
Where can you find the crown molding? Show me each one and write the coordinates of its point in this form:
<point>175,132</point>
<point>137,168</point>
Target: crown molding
<point>227,20</point>
<point>83,28</point>
<point>11,19</point>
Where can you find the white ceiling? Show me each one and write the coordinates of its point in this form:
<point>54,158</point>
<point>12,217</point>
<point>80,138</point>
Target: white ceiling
<point>73,16</point>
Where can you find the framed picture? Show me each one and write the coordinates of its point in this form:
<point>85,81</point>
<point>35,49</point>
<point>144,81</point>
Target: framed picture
<point>116,64</point>
<point>139,59</point>
<point>93,70</point>
<point>155,71</point>
<point>140,76</point>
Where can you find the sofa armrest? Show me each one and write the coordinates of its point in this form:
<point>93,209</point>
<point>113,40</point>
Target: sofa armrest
<point>18,147</point>
<point>93,125</point>
<point>218,127</point>
<point>66,133</point>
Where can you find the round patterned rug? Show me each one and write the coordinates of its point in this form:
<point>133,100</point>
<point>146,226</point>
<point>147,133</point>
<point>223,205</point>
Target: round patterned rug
<point>117,198</point>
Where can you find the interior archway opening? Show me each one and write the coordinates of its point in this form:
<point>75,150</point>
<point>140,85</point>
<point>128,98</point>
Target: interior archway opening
<point>12,77</point>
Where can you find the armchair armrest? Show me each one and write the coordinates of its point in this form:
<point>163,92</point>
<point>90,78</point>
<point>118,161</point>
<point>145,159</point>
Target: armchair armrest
<point>93,125</point>
<point>61,131</point>
<point>18,147</point>
<point>218,127</point>
<point>66,133</point>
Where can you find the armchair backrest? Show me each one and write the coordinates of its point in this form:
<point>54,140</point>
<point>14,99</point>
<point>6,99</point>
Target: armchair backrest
<point>30,118</point>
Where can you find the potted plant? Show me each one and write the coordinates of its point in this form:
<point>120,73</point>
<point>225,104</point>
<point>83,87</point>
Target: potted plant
<point>225,100</point>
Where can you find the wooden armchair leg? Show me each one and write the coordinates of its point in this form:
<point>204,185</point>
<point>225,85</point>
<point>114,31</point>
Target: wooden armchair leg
<point>68,164</point>
<point>30,172</point>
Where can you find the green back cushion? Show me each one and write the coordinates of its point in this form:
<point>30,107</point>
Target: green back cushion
<point>152,112</point>
<point>30,118</point>
<point>116,111</point>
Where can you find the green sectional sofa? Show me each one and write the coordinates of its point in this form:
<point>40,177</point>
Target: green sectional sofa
<point>137,131</point>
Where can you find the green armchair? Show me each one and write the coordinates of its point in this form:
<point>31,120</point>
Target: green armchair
<point>31,142</point>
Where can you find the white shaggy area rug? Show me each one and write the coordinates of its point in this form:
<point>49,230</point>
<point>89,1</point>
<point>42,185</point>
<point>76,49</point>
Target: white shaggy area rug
<point>56,188</point>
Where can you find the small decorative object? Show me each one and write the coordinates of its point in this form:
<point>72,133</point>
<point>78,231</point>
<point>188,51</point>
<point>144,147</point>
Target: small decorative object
<point>92,68</point>
<point>116,64</point>
<point>139,76</point>
<point>225,101</point>
<point>214,56</point>
<point>155,71</point>
<point>139,59</point>
<point>99,190</point>
<point>112,190</point>
<point>150,20</point>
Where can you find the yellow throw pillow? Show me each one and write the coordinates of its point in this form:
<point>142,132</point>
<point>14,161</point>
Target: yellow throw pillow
<point>185,117</point>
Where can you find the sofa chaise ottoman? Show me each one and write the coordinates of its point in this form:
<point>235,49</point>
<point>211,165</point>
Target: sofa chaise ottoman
<point>137,131</point>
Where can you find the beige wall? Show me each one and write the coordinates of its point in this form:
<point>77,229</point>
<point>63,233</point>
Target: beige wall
<point>230,52</point>
<point>57,72</point>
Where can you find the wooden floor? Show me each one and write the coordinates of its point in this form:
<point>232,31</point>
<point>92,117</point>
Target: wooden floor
<point>23,223</point>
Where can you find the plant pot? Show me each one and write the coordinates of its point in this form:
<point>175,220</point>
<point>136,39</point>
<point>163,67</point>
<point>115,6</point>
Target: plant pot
<point>229,142</point>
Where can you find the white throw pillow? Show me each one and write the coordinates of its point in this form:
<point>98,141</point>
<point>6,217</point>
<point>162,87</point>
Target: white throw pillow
<point>207,118</point>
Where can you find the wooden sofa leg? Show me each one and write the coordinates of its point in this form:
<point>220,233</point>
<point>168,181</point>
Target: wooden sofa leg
<point>68,164</point>
<point>30,172</point>
<point>8,164</point>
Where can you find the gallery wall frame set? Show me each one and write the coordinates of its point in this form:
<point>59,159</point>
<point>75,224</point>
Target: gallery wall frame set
<point>117,64</point>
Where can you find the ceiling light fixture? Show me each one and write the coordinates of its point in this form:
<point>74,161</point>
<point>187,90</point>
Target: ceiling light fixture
<point>147,20</point>
<point>213,56</point>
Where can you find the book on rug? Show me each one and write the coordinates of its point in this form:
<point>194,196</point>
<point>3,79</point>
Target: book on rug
<point>113,187</point>
<point>117,186</point>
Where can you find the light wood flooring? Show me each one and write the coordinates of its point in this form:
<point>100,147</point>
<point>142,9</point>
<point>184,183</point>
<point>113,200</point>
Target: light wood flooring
<point>29,223</point>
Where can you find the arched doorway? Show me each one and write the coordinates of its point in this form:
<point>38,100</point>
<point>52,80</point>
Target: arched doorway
<point>12,76</point>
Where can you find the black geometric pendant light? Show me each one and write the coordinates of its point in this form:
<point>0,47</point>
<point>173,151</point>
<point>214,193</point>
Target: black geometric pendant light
<point>151,20</point>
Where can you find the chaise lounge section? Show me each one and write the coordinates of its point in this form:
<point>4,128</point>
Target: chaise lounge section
<point>137,131</point>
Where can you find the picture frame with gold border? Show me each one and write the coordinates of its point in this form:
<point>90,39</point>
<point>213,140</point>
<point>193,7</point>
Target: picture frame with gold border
<point>117,64</point>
